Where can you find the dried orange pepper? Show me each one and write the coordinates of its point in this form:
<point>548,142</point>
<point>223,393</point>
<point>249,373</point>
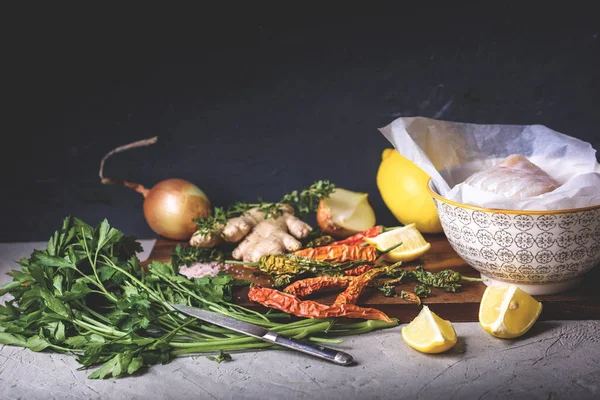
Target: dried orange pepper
<point>307,286</point>
<point>358,270</point>
<point>411,297</point>
<point>355,288</point>
<point>340,253</point>
<point>311,309</point>
<point>360,237</point>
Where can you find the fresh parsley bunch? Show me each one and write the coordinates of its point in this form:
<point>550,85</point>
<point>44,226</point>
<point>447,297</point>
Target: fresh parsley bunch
<point>87,294</point>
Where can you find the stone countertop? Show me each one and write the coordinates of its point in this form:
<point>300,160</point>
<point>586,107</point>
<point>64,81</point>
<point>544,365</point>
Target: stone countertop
<point>555,359</point>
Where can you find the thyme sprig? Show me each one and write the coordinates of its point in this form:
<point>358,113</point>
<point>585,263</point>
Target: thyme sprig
<point>188,255</point>
<point>448,280</point>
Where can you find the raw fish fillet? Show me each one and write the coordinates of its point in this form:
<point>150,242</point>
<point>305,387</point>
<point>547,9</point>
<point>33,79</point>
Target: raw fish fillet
<point>514,177</point>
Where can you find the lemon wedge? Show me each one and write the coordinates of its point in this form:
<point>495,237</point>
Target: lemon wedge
<point>413,244</point>
<point>508,311</point>
<point>428,333</point>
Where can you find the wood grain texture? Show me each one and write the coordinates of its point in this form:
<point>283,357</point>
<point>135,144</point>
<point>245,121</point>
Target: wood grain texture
<point>583,303</point>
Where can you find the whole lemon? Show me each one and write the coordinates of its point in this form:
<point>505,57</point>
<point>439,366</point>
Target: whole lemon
<point>403,188</point>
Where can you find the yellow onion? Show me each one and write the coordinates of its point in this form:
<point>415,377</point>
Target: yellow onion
<point>344,213</point>
<point>171,205</point>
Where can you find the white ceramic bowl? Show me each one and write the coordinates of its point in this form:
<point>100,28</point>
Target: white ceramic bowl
<point>543,252</point>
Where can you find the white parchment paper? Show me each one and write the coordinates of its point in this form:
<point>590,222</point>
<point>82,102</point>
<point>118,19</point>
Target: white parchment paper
<point>452,151</point>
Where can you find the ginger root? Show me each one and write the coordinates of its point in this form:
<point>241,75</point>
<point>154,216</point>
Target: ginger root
<point>260,236</point>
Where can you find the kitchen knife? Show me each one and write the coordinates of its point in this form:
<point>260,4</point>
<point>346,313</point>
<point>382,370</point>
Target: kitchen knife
<point>338,357</point>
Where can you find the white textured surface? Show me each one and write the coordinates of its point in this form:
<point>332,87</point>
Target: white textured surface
<point>556,359</point>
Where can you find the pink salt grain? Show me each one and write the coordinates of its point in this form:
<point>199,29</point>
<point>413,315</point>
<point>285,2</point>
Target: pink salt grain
<point>198,270</point>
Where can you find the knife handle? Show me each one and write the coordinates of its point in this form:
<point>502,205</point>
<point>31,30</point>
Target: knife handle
<point>338,357</point>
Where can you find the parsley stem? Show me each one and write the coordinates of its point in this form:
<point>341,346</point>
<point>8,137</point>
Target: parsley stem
<point>89,256</point>
<point>169,312</point>
<point>246,342</point>
<point>106,331</point>
<point>65,349</point>
<point>188,332</point>
<point>225,347</point>
<point>94,313</point>
<point>214,329</point>
<point>217,308</point>
<point>101,325</point>
<point>317,326</point>
<point>172,333</point>
<point>213,306</point>
<point>245,318</point>
<point>317,339</point>
<point>98,282</point>
<point>471,279</point>
<point>244,310</point>
<point>361,327</point>
<point>299,324</point>
<point>213,344</point>
<point>99,286</point>
<point>150,292</point>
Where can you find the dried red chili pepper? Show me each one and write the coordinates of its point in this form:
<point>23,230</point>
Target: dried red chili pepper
<point>291,304</point>
<point>355,288</point>
<point>307,286</point>
<point>360,237</point>
<point>411,297</point>
<point>340,253</point>
<point>358,270</point>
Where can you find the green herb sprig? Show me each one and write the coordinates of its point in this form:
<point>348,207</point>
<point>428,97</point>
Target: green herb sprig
<point>187,255</point>
<point>422,290</point>
<point>448,280</point>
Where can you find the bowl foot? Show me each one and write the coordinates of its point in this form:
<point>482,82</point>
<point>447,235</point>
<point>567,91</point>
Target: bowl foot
<point>537,289</point>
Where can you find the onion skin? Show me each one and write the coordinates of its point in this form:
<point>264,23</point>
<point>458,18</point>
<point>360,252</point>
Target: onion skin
<point>329,227</point>
<point>171,205</point>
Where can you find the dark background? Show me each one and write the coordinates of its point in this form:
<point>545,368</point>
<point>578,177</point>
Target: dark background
<point>259,101</point>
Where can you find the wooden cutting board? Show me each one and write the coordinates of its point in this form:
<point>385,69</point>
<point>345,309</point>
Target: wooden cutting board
<point>582,303</point>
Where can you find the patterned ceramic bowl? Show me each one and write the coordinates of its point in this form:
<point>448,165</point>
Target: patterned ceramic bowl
<point>543,252</point>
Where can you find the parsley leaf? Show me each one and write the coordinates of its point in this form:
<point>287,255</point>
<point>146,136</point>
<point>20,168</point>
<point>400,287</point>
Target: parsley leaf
<point>221,357</point>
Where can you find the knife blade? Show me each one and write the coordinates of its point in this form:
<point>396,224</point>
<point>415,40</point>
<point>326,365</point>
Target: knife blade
<point>326,353</point>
